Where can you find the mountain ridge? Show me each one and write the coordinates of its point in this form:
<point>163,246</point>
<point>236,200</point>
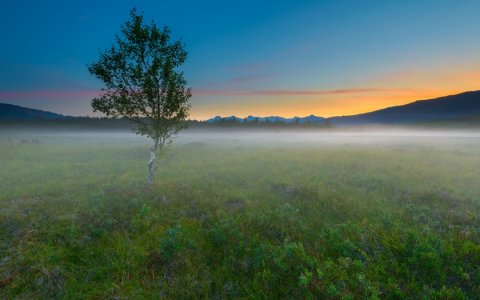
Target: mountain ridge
<point>12,112</point>
<point>269,119</point>
<point>449,107</point>
<point>441,108</point>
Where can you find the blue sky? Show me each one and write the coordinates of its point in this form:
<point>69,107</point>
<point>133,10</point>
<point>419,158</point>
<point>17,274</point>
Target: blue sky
<point>252,57</point>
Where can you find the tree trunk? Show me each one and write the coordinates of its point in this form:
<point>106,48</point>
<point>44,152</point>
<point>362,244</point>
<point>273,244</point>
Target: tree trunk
<point>151,163</point>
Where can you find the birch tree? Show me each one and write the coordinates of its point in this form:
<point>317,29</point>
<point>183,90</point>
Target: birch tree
<point>142,83</point>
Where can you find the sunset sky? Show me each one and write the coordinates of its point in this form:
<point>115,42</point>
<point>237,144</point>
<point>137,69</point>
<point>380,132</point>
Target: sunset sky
<point>284,57</point>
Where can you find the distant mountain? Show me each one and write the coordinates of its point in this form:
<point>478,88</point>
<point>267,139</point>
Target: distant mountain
<point>225,119</point>
<point>10,112</point>
<point>460,122</point>
<point>272,119</point>
<point>443,110</point>
<point>458,109</point>
<point>451,107</point>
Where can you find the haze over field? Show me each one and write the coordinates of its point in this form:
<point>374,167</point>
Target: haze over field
<point>263,137</point>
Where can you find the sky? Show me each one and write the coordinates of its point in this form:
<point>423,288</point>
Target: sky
<point>263,58</point>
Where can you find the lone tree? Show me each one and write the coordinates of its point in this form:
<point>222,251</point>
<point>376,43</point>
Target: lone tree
<point>142,83</point>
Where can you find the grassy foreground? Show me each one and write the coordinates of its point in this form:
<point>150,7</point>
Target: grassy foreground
<point>230,219</point>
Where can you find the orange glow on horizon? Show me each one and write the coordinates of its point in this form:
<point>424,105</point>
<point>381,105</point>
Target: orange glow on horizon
<point>329,106</point>
<point>397,88</point>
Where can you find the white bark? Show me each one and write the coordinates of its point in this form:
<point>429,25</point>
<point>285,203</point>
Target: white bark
<point>151,162</point>
<point>151,166</point>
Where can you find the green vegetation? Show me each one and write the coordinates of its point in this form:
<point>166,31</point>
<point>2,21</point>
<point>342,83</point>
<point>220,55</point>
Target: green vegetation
<point>233,219</point>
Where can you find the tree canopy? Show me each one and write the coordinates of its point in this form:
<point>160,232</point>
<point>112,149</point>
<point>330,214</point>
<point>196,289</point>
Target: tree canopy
<point>142,83</point>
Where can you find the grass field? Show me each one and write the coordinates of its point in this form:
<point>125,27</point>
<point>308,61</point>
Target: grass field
<point>232,215</point>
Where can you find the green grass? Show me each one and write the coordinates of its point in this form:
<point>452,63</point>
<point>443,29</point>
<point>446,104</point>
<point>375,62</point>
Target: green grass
<point>239,220</point>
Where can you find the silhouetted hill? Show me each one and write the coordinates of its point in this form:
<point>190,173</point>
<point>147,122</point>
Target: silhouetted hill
<point>10,112</point>
<point>469,121</point>
<point>454,107</point>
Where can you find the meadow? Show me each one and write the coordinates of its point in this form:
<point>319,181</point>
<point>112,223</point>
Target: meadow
<point>249,215</point>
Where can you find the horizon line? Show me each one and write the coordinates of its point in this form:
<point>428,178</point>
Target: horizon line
<point>270,116</point>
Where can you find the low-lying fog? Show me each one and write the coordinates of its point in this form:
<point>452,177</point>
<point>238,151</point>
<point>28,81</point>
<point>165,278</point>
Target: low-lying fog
<point>255,137</point>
